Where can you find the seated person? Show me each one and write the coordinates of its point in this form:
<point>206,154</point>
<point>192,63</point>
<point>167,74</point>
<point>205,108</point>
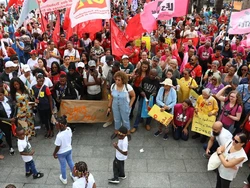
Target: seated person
<point>63,90</point>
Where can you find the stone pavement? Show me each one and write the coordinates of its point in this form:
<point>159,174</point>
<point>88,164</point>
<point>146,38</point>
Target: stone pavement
<point>164,164</point>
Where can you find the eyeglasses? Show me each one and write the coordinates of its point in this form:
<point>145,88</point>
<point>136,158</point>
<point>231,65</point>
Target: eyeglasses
<point>236,141</point>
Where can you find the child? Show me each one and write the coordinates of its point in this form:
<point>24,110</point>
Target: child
<point>27,152</point>
<point>121,155</point>
<point>63,149</point>
<point>86,179</point>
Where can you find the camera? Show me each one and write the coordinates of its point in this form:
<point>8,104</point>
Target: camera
<point>226,113</point>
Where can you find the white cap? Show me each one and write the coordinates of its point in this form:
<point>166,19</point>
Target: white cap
<point>26,68</point>
<point>125,57</point>
<point>10,64</point>
<point>91,63</point>
<point>81,64</point>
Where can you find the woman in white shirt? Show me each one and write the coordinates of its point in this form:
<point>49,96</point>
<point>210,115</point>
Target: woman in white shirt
<point>232,156</point>
<point>63,149</point>
<point>85,178</point>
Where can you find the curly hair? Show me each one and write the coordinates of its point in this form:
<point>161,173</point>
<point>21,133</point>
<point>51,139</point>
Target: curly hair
<point>238,97</point>
<point>122,75</point>
<point>82,171</point>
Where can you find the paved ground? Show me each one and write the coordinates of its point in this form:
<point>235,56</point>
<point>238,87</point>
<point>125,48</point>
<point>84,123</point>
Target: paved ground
<point>164,164</point>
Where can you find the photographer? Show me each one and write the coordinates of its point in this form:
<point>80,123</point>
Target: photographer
<point>232,109</point>
<point>92,79</point>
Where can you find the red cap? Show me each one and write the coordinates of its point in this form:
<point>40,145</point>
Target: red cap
<point>203,39</point>
<point>33,52</point>
<point>143,42</point>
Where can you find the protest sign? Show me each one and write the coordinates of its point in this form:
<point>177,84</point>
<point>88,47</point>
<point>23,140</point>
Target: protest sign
<point>82,11</point>
<point>162,117</point>
<point>240,22</point>
<point>193,96</point>
<point>53,5</point>
<point>85,111</point>
<point>202,123</point>
<point>148,43</point>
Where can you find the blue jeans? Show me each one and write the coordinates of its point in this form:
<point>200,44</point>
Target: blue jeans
<point>30,166</point>
<point>177,133</point>
<point>63,159</point>
<point>138,116</point>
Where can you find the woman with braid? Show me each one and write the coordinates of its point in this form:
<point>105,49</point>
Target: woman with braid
<point>85,178</point>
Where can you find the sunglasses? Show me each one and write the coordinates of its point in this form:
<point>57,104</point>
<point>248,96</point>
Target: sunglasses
<point>119,133</point>
<point>236,141</point>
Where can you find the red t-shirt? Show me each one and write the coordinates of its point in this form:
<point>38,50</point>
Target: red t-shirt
<point>56,78</point>
<point>42,47</point>
<point>180,118</point>
<point>62,43</point>
<point>196,72</point>
<point>47,90</point>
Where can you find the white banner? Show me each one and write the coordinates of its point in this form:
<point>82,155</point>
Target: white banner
<point>89,10</point>
<point>53,5</point>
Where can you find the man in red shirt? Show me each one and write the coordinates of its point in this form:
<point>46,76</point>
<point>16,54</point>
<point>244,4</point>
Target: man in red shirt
<point>43,45</point>
<point>217,55</point>
<point>135,51</point>
<point>62,44</point>
<point>195,68</point>
<point>222,19</point>
<point>204,52</point>
<point>161,46</point>
<point>237,48</point>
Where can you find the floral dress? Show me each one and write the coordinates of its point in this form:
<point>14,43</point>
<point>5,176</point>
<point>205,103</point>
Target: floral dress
<point>25,113</point>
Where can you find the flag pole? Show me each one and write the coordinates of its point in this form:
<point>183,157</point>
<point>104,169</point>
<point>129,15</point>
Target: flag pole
<point>41,15</point>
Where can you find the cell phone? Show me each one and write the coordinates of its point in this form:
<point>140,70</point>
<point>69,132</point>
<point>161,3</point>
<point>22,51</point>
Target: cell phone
<point>108,114</point>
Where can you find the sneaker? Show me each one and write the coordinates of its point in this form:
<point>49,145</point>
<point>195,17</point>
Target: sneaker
<point>165,137</point>
<point>148,127</point>
<point>28,174</point>
<point>157,133</point>
<point>133,130</point>
<point>38,175</point>
<point>73,177</point>
<point>107,124</point>
<point>113,180</point>
<point>64,181</point>
<point>196,136</point>
<point>123,177</point>
<point>12,152</point>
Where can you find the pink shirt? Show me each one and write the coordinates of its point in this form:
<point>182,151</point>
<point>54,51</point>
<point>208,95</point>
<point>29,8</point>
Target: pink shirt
<point>227,121</point>
<point>238,49</point>
<point>180,118</point>
<point>204,53</point>
<point>164,57</point>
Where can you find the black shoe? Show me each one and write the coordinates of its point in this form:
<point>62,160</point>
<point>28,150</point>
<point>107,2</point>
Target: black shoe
<point>196,136</point>
<point>157,133</point>
<point>165,137</point>
<point>12,152</point>
<point>28,174</point>
<point>131,116</point>
<point>113,136</point>
<point>46,135</point>
<point>38,175</point>
<point>203,139</point>
<point>113,180</point>
<point>129,137</point>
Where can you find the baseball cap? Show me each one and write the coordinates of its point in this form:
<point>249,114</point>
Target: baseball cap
<point>203,39</point>
<point>125,57</point>
<point>155,59</point>
<point>81,64</point>
<point>10,64</point>
<point>91,63</point>
<point>26,68</point>
<point>109,58</point>
<point>116,64</point>
<point>32,52</point>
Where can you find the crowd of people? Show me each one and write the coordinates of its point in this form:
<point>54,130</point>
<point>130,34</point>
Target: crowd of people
<point>37,73</point>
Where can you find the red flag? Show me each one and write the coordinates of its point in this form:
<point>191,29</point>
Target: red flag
<point>67,24</point>
<point>134,28</point>
<point>13,2</point>
<point>118,40</point>
<point>129,2</point>
<point>44,23</point>
<point>91,27</point>
<point>56,31</point>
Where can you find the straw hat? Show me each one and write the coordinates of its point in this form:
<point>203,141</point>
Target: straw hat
<point>167,82</point>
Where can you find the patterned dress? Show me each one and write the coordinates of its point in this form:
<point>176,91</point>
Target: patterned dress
<point>25,113</point>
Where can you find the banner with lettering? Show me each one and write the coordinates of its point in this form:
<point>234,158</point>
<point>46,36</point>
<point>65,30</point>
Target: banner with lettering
<point>240,22</point>
<point>202,123</point>
<point>162,117</point>
<point>84,10</point>
<point>53,5</point>
<point>193,96</point>
<point>85,111</point>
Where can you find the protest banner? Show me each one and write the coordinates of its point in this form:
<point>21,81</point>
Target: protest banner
<point>162,117</point>
<point>202,123</point>
<point>148,43</point>
<point>239,22</point>
<point>53,5</point>
<point>82,11</point>
<point>193,96</point>
<point>85,111</point>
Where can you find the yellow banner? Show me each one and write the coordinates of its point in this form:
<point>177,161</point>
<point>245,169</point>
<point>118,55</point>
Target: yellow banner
<point>162,117</point>
<point>85,111</point>
<point>148,43</point>
<point>138,42</point>
<point>193,96</point>
<point>203,123</point>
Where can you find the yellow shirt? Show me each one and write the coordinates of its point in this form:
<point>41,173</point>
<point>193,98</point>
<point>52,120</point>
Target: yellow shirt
<point>207,105</point>
<point>184,88</point>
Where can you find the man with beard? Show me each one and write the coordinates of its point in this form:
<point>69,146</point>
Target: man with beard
<point>219,137</point>
<point>196,69</point>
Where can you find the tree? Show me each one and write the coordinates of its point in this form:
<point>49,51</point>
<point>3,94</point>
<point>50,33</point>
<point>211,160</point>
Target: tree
<point>245,5</point>
<point>218,6</point>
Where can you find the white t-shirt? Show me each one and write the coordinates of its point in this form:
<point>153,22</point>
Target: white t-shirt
<point>47,82</point>
<point>81,182</point>
<point>103,60</point>
<point>95,89</point>
<point>25,81</point>
<point>22,144</point>
<point>73,54</point>
<point>63,139</point>
<point>223,137</point>
<point>128,89</point>
<point>105,70</point>
<point>32,62</point>
<point>52,59</point>
<point>229,173</point>
<point>122,145</point>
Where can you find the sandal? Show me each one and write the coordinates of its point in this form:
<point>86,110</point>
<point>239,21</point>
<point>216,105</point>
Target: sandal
<point>1,157</point>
